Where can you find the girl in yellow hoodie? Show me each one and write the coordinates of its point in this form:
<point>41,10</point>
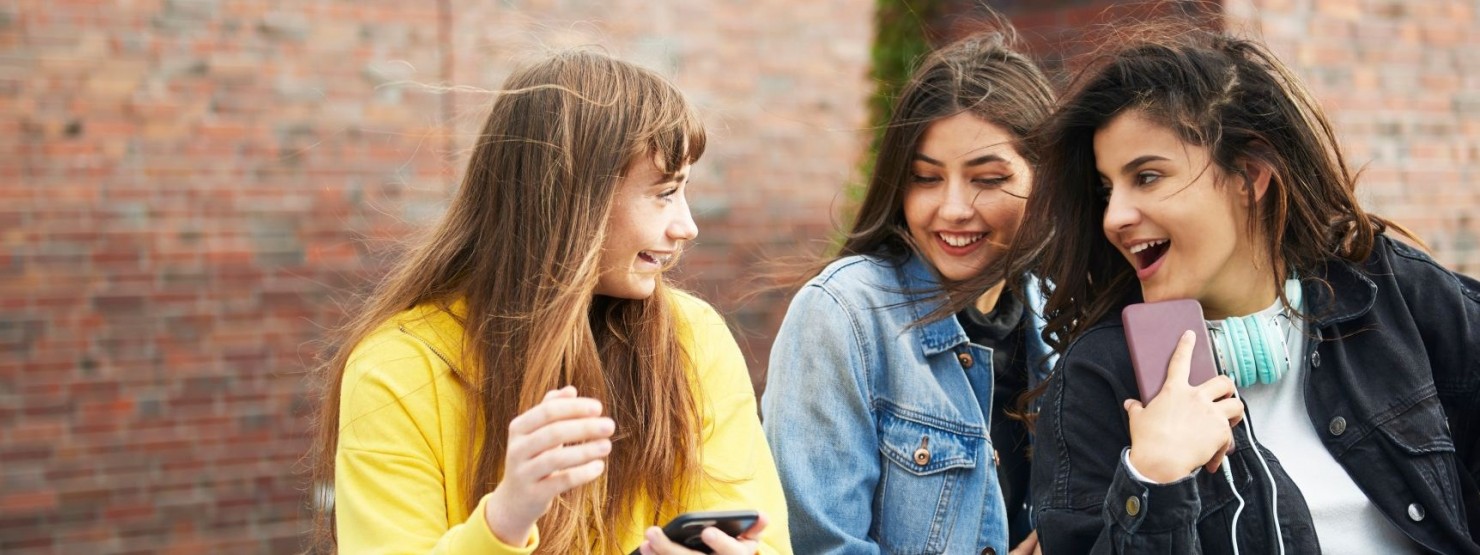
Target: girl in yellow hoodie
<point>526,380</point>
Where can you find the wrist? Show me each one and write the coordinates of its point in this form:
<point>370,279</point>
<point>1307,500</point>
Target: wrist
<point>506,526</point>
<point>1153,468</point>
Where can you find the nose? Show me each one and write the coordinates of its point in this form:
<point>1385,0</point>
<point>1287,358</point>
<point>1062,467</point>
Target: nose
<point>956,207</point>
<point>1120,214</point>
<point>682,226</point>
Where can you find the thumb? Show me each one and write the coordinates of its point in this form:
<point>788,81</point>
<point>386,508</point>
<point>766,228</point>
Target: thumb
<point>1133,406</point>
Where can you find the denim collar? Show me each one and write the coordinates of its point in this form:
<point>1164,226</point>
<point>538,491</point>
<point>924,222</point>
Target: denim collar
<point>1351,294</point>
<point>922,295</point>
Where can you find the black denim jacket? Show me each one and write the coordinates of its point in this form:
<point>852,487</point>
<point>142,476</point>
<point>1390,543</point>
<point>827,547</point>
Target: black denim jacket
<point>1394,373</point>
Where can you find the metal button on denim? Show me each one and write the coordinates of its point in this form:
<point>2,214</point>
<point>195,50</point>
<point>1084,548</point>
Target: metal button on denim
<point>1416,512</point>
<point>1133,505</point>
<point>1337,426</point>
<point>989,551</point>
<point>965,359</point>
<point>1315,360</point>
<point>922,455</point>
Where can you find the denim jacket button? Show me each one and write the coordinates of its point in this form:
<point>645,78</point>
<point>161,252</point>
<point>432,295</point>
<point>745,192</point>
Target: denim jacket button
<point>965,359</point>
<point>1416,512</point>
<point>1133,505</point>
<point>1337,426</point>
<point>1315,360</point>
<point>989,551</point>
<point>922,456</point>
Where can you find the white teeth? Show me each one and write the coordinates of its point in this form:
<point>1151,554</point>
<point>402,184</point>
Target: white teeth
<point>960,240</point>
<point>1144,246</point>
<point>660,259</point>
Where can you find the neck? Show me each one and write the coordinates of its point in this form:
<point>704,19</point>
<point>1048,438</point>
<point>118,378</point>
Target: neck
<point>988,300</point>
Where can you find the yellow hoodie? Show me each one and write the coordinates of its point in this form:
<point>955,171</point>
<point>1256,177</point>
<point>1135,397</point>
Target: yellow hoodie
<point>403,432</point>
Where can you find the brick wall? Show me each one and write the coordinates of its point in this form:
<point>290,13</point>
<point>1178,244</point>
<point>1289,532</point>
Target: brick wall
<point>188,188</point>
<point>1401,82</point>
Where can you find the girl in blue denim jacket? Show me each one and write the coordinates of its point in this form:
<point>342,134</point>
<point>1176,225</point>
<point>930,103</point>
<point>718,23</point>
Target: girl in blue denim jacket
<point>888,415</point>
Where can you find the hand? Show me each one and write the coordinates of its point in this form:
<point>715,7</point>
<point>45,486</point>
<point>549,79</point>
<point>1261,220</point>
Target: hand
<point>556,446</point>
<point>656,543</point>
<point>1185,426</point>
<point>1029,546</point>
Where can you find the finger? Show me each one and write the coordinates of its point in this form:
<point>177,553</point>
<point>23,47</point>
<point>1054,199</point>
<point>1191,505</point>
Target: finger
<point>556,460</point>
<point>1133,407</point>
<point>1181,364</point>
<point>1219,387</point>
<point>571,478</point>
<point>1028,545</point>
<point>1232,410</point>
<point>551,410</point>
<point>722,544</point>
<point>563,432</point>
<point>754,532</point>
<point>567,391</point>
<point>659,544</point>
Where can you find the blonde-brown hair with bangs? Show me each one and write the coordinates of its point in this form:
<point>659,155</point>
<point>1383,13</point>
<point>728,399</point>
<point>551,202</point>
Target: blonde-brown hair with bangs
<point>520,244</point>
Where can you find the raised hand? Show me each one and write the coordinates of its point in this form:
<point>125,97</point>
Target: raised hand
<point>557,445</point>
<point>1185,426</point>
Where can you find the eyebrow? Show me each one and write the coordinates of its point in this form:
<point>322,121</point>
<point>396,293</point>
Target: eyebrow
<point>670,178</point>
<point>1133,164</point>
<point>987,159</point>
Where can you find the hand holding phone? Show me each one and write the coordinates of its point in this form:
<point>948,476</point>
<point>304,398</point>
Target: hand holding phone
<point>1186,414</point>
<point>734,533</point>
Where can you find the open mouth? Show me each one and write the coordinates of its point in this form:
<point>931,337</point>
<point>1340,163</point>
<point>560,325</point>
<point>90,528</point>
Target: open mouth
<point>655,258</point>
<point>960,240</point>
<point>1149,253</point>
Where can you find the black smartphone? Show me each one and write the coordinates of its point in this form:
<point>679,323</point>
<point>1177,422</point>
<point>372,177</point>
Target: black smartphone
<point>684,529</point>
<point>1152,331</point>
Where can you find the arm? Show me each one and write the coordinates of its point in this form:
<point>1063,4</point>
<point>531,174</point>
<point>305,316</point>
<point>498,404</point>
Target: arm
<point>1086,498</point>
<point>390,493</point>
<point>819,421</point>
<point>734,450</point>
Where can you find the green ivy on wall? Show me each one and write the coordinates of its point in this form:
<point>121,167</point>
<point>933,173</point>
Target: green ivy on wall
<point>899,43</point>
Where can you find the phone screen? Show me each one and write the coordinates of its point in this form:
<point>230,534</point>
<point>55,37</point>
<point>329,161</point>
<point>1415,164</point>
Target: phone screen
<point>1151,333</point>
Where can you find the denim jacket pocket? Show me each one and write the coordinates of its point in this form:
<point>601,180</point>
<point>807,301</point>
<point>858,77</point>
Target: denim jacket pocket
<point>1423,442</point>
<point>927,468</point>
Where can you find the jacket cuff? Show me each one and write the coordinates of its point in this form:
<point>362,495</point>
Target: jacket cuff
<point>481,538</point>
<point>1134,505</point>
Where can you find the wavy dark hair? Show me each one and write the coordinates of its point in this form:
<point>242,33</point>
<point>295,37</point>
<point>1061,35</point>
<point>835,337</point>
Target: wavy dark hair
<point>1227,94</point>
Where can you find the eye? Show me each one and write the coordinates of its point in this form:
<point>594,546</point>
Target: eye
<point>1147,178</point>
<point>918,179</point>
<point>992,182</point>
<point>1102,191</point>
<point>667,194</point>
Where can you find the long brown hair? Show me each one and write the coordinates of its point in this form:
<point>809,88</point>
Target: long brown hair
<point>1223,93</point>
<point>980,74</point>
<point>520,244</point>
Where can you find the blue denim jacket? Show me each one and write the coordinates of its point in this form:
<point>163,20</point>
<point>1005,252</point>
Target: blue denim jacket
<point>880,430</point>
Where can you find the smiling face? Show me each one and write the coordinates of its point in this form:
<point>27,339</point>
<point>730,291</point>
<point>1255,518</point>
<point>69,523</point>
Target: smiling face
<point>649,220</point>
<point>1178,219</point>
<point>966,194</point>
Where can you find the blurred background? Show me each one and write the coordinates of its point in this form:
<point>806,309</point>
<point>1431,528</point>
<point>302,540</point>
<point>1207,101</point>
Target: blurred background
<point>192,192</point>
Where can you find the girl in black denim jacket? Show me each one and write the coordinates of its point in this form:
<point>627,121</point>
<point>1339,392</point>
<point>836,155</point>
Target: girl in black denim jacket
<point>1213,175</point>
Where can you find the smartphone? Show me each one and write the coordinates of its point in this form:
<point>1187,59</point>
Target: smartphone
<point>1151,333</point>
<point>684,529</point>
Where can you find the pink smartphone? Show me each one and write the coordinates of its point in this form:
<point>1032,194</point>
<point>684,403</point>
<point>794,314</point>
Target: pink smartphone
<point>1151,333</point>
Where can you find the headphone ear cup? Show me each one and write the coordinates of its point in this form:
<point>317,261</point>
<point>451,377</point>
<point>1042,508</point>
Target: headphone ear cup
<point>1242,355</point>
<point>1259,346</point>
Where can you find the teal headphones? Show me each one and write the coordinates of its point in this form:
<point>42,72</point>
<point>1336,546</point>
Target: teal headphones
<point>1253,348</point>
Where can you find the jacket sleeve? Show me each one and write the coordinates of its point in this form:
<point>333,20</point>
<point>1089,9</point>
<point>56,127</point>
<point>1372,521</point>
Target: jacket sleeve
<point>1445,306</point>
<point>390,495</point>
<point>1085,498</point>
<point>739,471</point>
<point>819,421</point>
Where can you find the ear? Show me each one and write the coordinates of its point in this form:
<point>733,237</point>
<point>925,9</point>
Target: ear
<point>1256,175</point>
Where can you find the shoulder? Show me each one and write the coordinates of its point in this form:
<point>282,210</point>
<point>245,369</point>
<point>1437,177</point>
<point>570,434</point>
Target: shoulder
<point>1411,267</point>
<point>406,352</point>
<point>1099,357</point>
<point>858,272</point>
